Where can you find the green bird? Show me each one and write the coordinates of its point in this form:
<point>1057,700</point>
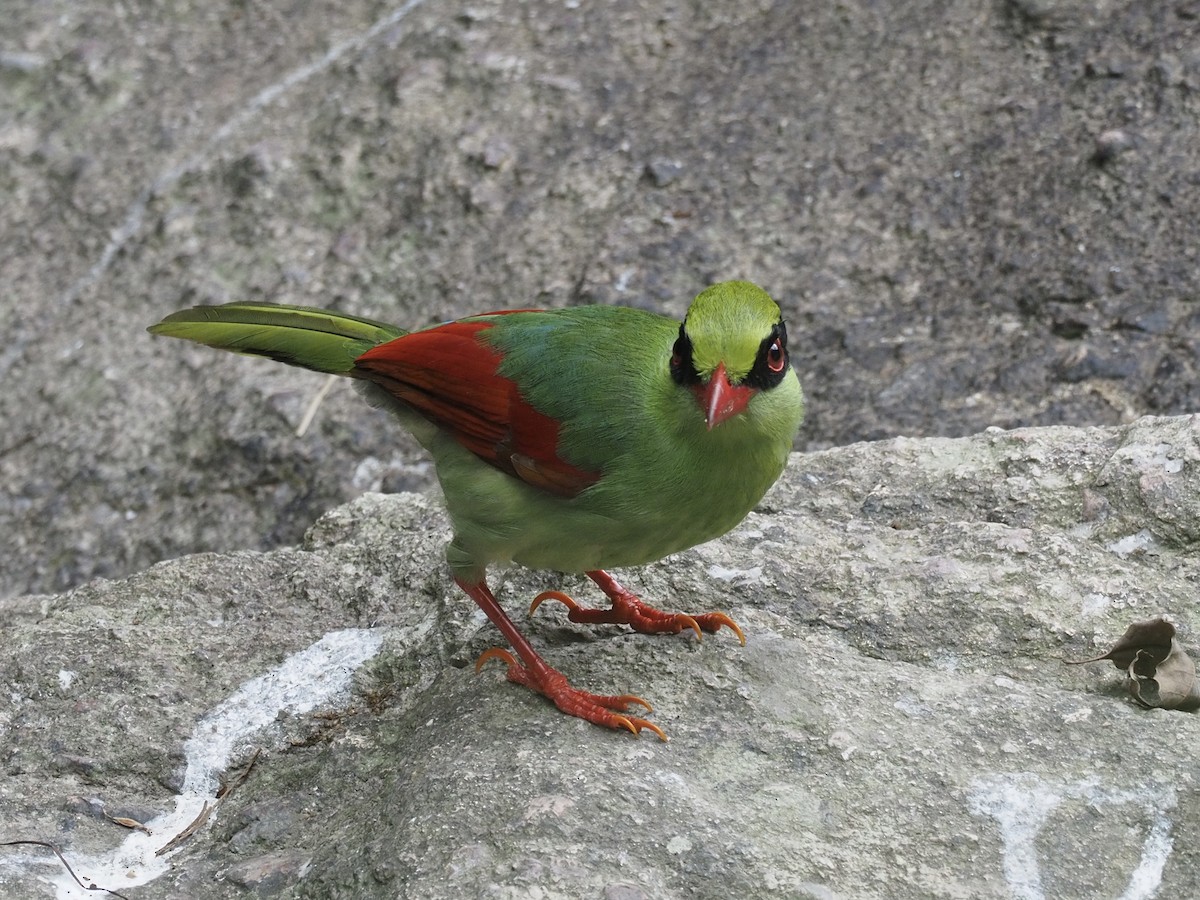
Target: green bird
<point>577,439</point>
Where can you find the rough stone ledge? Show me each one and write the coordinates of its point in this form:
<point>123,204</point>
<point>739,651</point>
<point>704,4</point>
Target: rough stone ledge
<point>899,724</point>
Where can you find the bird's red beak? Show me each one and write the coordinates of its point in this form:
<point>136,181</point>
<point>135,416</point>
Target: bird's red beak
<point>721,400</point>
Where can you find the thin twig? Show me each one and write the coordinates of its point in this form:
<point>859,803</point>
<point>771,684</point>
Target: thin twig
<point>174,842</point>
<point>62,859</point>
<point>237,782</point>
<point>313,406</point>
<point>206,811</point>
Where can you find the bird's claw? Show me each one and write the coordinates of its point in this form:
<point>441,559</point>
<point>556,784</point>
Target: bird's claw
<point>495,653</point>
<point>635,725</point>
<point>598,709</point>
<point>552,595</point>
<point>713,621</point>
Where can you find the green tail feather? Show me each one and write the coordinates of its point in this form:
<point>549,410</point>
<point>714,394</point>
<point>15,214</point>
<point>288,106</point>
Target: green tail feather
<point>312,338</point>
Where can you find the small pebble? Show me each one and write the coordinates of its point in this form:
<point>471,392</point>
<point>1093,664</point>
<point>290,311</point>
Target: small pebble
<point>1112,143</point>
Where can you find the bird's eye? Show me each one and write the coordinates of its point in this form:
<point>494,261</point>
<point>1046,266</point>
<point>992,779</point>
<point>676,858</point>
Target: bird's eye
<point>682,369</point>
<point>776,358</point>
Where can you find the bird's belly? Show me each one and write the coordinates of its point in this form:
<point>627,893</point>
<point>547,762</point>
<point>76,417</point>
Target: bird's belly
<point>587,534</point>
<point>602,546</point>
<point>618,522</point>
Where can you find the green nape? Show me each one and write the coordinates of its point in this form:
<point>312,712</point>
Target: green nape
<point>304,336</point>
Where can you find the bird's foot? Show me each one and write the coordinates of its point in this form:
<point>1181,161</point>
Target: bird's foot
<point>598,709</point>
<point>634,613</point>
<point>628,609</point>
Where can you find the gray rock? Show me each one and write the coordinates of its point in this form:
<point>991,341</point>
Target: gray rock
<point>900,723</point>
<point>269,873</point>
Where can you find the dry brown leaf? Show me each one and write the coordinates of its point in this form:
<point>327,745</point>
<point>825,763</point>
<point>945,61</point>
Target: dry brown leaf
<point>126,822</point>
<point>1170,684</point>
<point>1161,675</point>
<point>1152,636</point>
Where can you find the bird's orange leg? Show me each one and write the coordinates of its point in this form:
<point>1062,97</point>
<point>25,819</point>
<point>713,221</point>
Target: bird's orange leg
<point>628,609</point>
<point>535,673</point>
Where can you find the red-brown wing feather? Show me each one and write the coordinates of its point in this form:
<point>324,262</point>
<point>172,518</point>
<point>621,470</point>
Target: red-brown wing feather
<point>449,375</point>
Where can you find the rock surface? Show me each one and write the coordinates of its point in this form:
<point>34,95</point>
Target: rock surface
<point>974,214</point>
<point>900,723</point>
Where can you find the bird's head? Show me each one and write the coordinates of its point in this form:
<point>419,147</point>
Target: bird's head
<point>732,345</point>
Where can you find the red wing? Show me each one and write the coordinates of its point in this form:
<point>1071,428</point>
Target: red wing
<point>449,375</point>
